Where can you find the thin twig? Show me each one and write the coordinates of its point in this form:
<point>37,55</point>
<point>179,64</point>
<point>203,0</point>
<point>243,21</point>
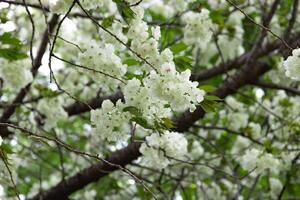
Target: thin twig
<point>260,25</point>
<point>10,174</point>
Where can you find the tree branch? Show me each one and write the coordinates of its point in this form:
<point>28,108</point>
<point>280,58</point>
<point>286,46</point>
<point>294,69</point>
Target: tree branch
<point>78,108</point>
<point>264,84</point>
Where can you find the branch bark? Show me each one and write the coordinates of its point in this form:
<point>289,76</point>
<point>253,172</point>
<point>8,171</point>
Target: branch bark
<point>264,84</point>
<point>78,108</point>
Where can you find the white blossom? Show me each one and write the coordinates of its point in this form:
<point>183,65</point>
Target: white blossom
<point>212,191</point>
<point>152,155</point>
<point>260,161</point>
<point>158,148</point>
<point>197,150</point>
<point>16,75</point>
<point>139,96</point>
<point>238,120</point>
<point>117,29</point>
<point>255,130</point>
<point>110,122</point>
<point>107,65</point>
<point>216,4</point>
<point>275,186</point>
<point>168,8</point>
<point>234,104</point>
<point>53,109</point>
<point>155,32</point>
<point>138,30</point>
<point>174,144</point>
<point>240,144</point>
<point>175,88</point>
<point>198,28</point>
<point>62,6</point>
<point>292,65</point>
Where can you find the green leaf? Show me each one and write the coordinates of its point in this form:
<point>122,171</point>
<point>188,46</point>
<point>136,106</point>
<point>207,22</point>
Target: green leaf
<point>3,16</point>
<point>142,193</point>
<point>231,31</point>
<point>168,123</point>
<point>209,105</point>
<point>129,76</point>
<point>7,38</point>
<point>46,92</point>
<point>285,103</point>
<point>108,21</point>
<point>226,141</point>
<point>214,59</point>
<point>207,88</point>
<point>131,62</point>
<point>190,192</point>
<point>183,62</point>
<point>167,36</point>
<point>251,31</point>
<point>217,17</point>
<point>132,110</point>
<point>141,121</point>
<point>179,47</point>
<point>125,11</point>
<point>6,148</point>
<point>12,54</point>
<point>212,98</point>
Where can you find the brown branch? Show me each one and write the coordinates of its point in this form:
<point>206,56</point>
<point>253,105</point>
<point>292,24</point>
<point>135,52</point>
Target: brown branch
<point>264,84</point>
<point>293,19</point>
<point>78,108</point>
